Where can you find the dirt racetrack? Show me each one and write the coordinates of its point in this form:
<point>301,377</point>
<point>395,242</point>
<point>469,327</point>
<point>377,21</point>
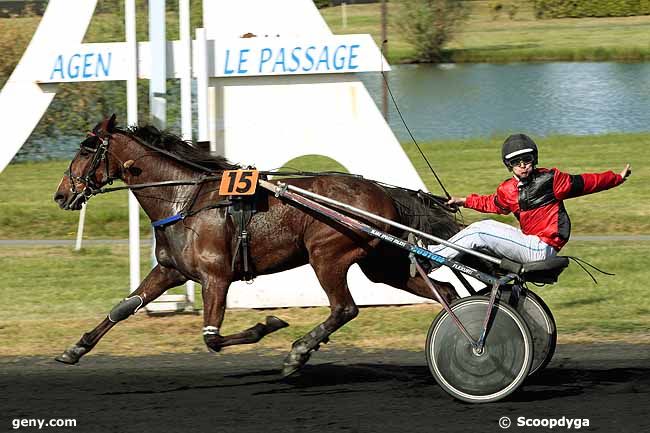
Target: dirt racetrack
<point>339,390</point>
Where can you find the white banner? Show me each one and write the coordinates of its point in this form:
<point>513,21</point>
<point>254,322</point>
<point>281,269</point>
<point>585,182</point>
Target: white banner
<point>237,58</point>
<point>86,62</point>
<point>288,56</point>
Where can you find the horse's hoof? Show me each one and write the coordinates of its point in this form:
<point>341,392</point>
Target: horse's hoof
<point>71,355</point>
<point>275,323</point>
<point>289,370</point>
<point>294,362</point>
<point>213,342</point>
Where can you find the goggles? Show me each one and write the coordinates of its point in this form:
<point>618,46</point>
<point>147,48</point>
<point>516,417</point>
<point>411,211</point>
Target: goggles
<point>522,160</point>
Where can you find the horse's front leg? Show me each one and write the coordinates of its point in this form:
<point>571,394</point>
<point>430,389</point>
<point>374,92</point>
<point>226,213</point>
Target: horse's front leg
<point>155,284</point>
<point>214,294</point>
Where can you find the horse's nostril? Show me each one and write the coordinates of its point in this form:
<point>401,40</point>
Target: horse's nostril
<point>58,197</point>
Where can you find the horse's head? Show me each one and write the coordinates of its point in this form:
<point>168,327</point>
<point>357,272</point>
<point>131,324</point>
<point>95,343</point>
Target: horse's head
<point>91,168</point>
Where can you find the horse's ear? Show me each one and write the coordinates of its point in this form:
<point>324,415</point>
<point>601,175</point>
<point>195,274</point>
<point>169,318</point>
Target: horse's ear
<point>111,124</point>
<point>106,126</point>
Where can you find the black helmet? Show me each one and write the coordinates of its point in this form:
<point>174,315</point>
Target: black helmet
<point>517,145</point>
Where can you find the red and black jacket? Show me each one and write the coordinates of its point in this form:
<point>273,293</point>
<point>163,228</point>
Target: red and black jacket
<point>537,202</point>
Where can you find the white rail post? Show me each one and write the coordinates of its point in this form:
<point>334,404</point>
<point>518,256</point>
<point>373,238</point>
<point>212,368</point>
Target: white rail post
<point>201,73</point>
<point>132,119</point>
<point>186,98</point>
<point>80,227</point>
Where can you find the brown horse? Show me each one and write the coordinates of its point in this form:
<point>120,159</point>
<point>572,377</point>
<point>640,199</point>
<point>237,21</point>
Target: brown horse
<point>201,246</point>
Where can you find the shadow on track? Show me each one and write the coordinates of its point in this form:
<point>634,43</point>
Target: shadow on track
<point>352,390</point>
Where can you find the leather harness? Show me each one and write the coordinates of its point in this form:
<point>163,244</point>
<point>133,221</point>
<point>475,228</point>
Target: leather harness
<point>241,212</point>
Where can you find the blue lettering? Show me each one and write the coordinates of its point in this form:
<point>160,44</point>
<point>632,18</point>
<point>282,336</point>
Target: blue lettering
<point>295,58</point>
<point>87,65</point>
<point>265,56</point>
<point>243,59</point>
<point>324,58</point>
<point>340,64</point>
<point>309,57</point>
<point>106,68</point>
<point>58,67</point>
<point>353,56</point>
<point>227,71</point>
<point>279,60</point>
<point>74,68</point>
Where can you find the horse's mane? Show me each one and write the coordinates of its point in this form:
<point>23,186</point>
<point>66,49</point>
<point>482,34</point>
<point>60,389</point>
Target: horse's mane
<point>423,212</point>
<point>183,149</point>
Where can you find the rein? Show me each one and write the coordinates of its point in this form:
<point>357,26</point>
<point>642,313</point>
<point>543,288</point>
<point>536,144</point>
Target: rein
<point>204,179</point>
<point>157,184</point>
<point>100,154</point>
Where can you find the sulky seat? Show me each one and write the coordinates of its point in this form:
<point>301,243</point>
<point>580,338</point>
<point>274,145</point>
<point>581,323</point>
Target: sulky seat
<point>544,271</point>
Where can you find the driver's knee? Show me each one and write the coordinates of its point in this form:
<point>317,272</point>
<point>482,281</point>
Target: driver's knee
<point>483,225</point>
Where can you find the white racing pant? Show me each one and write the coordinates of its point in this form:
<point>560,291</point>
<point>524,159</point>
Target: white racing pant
<point>500,240</point>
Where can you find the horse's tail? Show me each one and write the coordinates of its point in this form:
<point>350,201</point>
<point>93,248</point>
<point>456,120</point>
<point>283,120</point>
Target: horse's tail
<point>423,211</point>
<point>430,214</point>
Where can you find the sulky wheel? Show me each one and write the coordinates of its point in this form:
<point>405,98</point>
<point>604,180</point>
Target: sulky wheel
<point>540,322</point>
<point>479,377</point>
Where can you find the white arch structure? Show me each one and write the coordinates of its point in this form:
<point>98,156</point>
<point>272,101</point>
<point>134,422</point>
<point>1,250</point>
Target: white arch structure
<point>286,89</point>
<point>22,101</point>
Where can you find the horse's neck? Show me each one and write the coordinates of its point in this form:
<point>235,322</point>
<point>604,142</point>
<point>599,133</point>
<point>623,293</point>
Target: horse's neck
<point>159,202</point>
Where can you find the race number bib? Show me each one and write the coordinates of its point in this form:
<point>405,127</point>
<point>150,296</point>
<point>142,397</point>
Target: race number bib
<point>238,182</point>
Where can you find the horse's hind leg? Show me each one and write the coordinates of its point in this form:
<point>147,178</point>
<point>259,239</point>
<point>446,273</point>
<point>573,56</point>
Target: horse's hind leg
<point>159,279</point>
<point>333,278</point>
<point>394,271</point>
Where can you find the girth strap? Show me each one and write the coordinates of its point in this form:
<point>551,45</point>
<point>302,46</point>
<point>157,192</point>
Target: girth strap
<point>241,212</point>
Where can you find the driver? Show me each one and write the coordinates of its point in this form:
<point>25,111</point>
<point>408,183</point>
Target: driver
<point>535,195</point>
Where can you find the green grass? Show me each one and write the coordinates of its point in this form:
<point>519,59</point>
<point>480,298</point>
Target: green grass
<point>616,304</point>
<point>54,295</point>
<point>27,210</point>
<point>486,38</point>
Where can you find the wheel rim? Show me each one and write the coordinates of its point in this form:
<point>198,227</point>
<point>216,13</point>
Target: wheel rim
<point>542,329</point>
<point>489,376</point>
<point>540,322</point>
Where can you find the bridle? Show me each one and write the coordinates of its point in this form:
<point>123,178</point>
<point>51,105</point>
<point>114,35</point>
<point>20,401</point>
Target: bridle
<point>98,146</point>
